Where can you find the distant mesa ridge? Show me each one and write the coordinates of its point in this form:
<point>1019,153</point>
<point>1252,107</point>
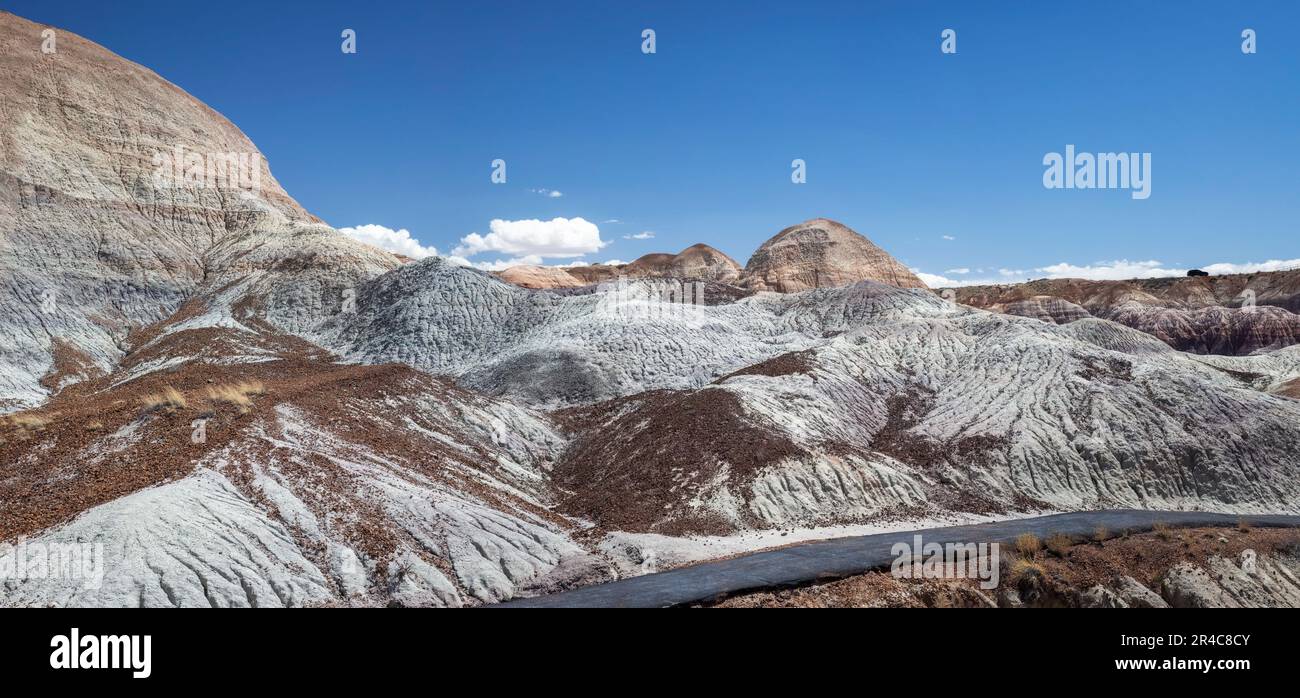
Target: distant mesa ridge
<point>1231,314</point>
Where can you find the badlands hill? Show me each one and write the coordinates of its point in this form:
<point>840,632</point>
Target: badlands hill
<point>159,402</point>
<point>695,262</point>
<point>249,409</point>
<point>822,253</point>
<point>92,246</point>
<point>819,253</point>
<point>538,276</point>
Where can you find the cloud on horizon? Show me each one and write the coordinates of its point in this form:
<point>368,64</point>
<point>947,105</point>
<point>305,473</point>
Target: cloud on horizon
<point>1117,270</point>
<point>531,260</point>
<point>396,241</point>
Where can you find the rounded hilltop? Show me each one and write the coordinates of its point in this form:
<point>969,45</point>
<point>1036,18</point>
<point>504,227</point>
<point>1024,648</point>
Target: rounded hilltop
<point>817,253</point>
<point>822,253</point>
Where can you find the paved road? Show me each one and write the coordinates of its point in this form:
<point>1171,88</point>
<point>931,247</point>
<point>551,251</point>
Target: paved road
<point>841,557</point>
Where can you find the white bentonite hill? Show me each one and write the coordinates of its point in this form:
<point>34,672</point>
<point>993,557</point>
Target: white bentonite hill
<point>246,408</point>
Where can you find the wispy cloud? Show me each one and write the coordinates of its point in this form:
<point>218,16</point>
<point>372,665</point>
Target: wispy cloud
<point>645,235</point>
<point>949,237</point>
<point>551,193</point>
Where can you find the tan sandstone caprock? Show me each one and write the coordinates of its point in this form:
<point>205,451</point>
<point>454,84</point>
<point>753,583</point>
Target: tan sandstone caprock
<point>822,253</point>
<point>698,261</point>
<point>537,276</point>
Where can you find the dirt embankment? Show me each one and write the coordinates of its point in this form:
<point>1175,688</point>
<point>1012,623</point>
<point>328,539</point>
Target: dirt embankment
<point>1166,567</point>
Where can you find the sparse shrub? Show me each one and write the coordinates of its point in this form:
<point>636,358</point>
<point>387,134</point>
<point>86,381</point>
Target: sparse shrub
<point>1023,568</point>
<point>238,394</point>
<point>1059,545</point>
<point>29,422</point>
<point>1290,547</point>
<point>1028,544</point>
<point>1162,530</point>
<point>1101,533</point>
<point>167,400</point>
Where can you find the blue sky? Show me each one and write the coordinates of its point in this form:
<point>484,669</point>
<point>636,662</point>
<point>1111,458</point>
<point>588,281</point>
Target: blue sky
<point>937,158</point>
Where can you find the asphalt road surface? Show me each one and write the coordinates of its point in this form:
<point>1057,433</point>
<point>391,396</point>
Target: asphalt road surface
<point>842,557</point>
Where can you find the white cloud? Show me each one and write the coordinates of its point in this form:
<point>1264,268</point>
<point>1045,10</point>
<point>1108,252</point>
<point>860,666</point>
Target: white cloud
<point>1116,270</point>
<point>949,237</point>
<point>1253,267</point>
<point>1005,276</point>
<point>548,192</point>
<point>645,235</point>
<point>934,280</point>
<point>1152,269</point>
<point>397,241</point>
<point>528,260</point>
<point>612,220</point>
<point>503,264</point>
<point>558,237</point>
<point>581,263</point>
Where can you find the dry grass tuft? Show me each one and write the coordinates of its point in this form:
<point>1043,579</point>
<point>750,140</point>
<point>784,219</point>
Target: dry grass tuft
<point>1162,530</point>
<point>1028,544</point>
<point>95,426</point>
<point>29,422</point>
<point>238,394</point>
<point>1101,533</point>
<point>1022,568</point>
<point>1243,525</point>
<point>1291,547</point>
<point>168,400</point>
<point>1059,545</point>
